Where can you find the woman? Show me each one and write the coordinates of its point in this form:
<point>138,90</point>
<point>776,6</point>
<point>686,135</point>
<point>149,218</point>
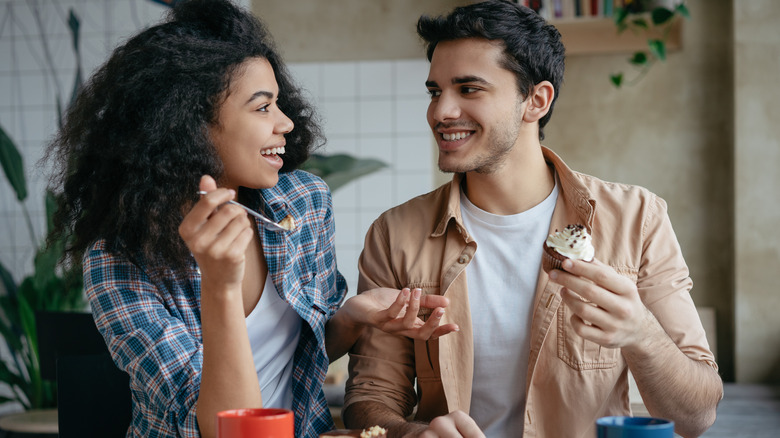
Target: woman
<point>200,305</point>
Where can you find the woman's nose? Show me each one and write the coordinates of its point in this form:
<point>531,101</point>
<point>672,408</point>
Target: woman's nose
<point>284,124</point>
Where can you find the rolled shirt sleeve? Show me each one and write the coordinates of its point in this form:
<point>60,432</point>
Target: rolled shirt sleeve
<point>160,350</point>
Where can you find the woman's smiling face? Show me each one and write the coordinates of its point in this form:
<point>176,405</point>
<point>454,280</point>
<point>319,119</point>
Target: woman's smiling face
<point>250,128</point>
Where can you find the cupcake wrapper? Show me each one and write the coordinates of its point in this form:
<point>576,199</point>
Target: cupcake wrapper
<point>551,259</point>
<point>549,263</point>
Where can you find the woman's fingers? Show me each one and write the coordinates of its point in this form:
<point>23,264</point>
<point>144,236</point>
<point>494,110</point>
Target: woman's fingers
<point>399,304</point>
<point>430,301</point>
<point>231,240</point>
<point>203,210</point>
<point>413,308</point>
<point>433,328</point>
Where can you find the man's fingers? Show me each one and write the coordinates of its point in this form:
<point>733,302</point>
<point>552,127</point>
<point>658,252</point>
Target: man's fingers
<point>599,273</point>
<point>588,311</point>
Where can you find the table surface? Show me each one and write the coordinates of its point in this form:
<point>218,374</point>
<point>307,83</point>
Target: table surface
<point>34,421</point>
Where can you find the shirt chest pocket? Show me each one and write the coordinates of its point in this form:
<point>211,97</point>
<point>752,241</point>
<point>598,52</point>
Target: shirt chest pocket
<point>578,352</point>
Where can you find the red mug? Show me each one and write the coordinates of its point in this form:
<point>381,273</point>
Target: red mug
<point>255,423</point>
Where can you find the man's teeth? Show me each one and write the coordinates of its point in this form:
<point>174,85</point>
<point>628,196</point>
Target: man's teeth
<point>455,136</point>
<point>273,151</point>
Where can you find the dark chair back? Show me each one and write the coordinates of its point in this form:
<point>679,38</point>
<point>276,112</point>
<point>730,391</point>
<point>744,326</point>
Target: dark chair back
<point>93,395</point>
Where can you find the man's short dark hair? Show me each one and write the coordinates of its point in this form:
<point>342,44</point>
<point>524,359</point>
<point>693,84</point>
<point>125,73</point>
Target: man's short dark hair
<point>532,47</point>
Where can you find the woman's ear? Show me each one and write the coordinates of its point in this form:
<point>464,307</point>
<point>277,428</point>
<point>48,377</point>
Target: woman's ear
<point>539,101</point>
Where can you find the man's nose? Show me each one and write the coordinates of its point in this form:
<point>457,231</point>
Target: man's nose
<point>446,107</point>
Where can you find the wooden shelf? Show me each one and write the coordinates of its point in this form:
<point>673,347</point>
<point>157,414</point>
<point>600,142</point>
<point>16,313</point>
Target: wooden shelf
<point>598,36</point>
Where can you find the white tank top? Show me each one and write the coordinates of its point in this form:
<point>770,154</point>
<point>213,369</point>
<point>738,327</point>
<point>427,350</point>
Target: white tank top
<point>274,328</point>
<point>502,281</point>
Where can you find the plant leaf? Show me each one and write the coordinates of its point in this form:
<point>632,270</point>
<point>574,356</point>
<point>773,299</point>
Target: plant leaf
<point>641,23</point>
<point>620,15</point>
<point>11,338</point>
<point>4,399</point>
<point>657,48</point>
<point>683,10</point>
<point>9,285</point>
<point>13,165</point>
<point>617,79</point>
<point>45,268</point>
<point>340,169</point>
<point>9,376</point>
<point>639,58</point>
<point>27,317</point>
<point>661,15</point>
<point>74,24</point>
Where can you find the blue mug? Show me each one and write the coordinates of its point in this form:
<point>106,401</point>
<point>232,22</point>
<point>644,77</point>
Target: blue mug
<point>634,427</point>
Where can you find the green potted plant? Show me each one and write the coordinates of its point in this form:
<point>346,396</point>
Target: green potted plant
<point>49,287</point>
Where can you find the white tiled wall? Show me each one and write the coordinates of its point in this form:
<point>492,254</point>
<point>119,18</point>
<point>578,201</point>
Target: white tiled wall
<point>370,109</point>
<point>373,110</point>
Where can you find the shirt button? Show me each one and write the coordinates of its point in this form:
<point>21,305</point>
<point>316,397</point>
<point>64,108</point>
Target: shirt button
<point>463,259</point>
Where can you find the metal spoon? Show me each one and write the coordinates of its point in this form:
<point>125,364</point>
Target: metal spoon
<point>287,224</point>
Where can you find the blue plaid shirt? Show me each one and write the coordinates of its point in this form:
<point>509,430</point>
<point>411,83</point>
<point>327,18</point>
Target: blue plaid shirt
<point>152,326</point>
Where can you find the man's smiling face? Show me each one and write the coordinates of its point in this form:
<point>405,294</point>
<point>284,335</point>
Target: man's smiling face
<point>475,111</point>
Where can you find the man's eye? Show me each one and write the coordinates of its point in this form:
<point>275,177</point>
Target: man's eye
<point>434,93</point>
<point>468,90</point>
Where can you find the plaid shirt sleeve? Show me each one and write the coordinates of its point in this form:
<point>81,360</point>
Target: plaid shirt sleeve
<point>154,336</point>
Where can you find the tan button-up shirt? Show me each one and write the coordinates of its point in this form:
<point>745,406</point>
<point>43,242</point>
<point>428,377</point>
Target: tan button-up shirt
<point>571,381</point>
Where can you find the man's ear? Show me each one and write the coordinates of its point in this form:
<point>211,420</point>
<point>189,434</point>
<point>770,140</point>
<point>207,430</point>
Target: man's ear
<point>539,101</point>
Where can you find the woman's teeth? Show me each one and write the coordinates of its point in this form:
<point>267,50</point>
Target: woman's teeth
<point>273,151</point>
<point>455,136</point>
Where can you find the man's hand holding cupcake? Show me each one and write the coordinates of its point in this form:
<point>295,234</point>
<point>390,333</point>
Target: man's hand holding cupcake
<point>606,308</point>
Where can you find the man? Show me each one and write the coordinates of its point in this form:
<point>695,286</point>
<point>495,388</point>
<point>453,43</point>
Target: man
<point>536,355</point>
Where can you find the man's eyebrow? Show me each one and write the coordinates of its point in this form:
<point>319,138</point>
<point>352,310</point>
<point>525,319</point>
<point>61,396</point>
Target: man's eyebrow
<point>261,93</point>
<point>469,80</point>
<point>460,80</point>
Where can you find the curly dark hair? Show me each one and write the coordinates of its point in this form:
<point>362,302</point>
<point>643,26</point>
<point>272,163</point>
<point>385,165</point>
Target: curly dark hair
<point>134,145</point>
<point>532,48</point>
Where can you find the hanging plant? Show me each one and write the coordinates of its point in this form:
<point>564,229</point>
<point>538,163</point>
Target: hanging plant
<point>634,16</point>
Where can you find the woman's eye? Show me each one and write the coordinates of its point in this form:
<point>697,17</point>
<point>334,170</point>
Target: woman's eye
<point>264,108</point>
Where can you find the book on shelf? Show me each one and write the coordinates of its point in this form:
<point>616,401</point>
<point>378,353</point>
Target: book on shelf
<point>572,9</point>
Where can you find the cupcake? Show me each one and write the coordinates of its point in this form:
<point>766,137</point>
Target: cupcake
<point>573,242</point>
<point>372,432</point>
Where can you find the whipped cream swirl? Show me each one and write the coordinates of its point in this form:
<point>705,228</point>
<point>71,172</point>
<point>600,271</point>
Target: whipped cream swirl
<point>573,242</point>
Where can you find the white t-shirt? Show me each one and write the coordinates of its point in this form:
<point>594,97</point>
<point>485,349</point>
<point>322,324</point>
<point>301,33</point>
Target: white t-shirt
<point>274,328</point>
<point>502,281</point>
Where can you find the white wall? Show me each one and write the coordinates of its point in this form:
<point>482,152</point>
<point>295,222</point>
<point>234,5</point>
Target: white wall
<point>372,109</point>
<point>757,211</point>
